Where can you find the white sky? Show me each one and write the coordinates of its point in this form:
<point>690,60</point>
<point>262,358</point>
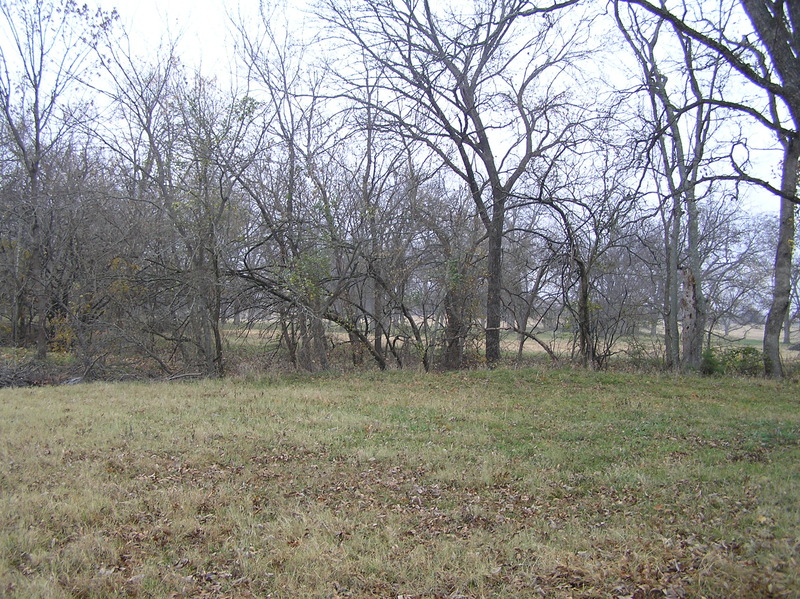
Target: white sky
<point>207,42</point>
<point>201,26</point>
<point>202,29</point>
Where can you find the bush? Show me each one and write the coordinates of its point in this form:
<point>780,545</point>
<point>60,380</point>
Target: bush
<point>744,361</point>
<point>711,364</point>
<point>747,361</point>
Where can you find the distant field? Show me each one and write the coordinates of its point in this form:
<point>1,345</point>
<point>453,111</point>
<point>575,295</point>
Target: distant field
<point>244,342</point>
<point>529,483</point>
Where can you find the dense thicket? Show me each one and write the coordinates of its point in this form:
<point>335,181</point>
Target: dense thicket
<point>422,184</point>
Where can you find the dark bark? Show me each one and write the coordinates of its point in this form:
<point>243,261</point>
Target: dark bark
<point>450,72</point>
<point>586,341</point>
<point>494,287</point>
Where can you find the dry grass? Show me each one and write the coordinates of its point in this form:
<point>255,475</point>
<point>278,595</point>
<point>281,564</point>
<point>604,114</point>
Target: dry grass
<point>502,484</point>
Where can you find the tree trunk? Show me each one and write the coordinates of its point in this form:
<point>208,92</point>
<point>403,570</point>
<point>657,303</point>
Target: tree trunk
<point>320,342</point>
<point>356,350</point>
<point>693,326</point>
<point>671,336</point>
<point>586,343</point>
<point>781,290</point>
<point>378,308</point>
<point>305,353</point>
<point>692,337</point>
<point>41,300</point>
<point>287,332</point>
<point>494,305</point>
<point>453,331</point>
<point>585,337</point>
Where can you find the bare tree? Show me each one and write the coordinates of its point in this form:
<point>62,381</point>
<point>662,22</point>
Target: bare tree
<point>288,256</point>
<point>683,125</point>
<point>736,265</point>
<point>770,62</point>
<point>531,266</point>
<point>43,56</point>
<point>594,217</point>
<point>453,80</point>
<point>172,136</point>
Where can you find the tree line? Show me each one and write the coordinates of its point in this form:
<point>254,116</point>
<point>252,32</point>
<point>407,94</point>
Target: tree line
<point>414,184</point>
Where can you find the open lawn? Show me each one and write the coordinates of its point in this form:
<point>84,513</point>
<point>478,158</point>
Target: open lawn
<point>531,483</point>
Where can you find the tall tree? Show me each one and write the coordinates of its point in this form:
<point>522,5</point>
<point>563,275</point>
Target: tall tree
<point>289,184</point>
<point>45,52</point>
<point>172,137</point>
<point>682,126</point>
<point>451,79</point>
<point>771,62</point>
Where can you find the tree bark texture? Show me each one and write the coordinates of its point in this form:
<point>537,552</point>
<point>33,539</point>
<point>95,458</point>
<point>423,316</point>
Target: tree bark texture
<point>494,287</point>
<point>781,290</point>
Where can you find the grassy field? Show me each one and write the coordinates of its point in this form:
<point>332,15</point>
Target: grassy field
<point>531,483</point>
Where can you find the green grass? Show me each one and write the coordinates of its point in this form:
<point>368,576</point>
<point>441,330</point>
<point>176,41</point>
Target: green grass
<point>530,483</point>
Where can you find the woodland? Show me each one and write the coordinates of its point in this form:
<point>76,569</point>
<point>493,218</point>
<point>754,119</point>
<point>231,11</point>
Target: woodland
<point>402,184</point>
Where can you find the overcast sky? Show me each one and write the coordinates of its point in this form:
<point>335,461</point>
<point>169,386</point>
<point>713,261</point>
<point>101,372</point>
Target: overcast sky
<point>202,26</point>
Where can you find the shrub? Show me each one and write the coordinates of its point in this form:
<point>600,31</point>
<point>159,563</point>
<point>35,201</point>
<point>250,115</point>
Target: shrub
<point>711,364</point>
<point>745,361</point>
